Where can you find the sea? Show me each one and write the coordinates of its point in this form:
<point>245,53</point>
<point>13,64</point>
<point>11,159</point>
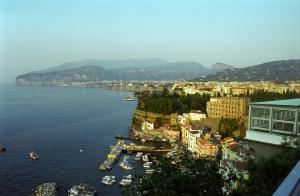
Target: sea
<point>57,123</point>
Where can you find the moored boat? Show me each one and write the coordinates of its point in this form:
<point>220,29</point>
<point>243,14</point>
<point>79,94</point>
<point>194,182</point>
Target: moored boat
<point>138,155</point>
<point>147,165</point>
<point>126,180</point>
<point>149,171</point>
<point>82,189</point>
<point>108,180</point>
<point>145,158</point>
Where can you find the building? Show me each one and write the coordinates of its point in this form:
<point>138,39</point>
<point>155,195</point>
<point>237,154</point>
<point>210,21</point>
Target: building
<point>147,125</point>
<point>205,148</point>
<point>197,115</point>
<point>184,133</point>
<point>269,121</point>
<point>192,140</point>
<point>227,107</point>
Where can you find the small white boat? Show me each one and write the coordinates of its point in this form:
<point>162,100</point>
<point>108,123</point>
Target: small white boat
<point>149,171</point>
<point>108,180</point>
<point>138,155</point>
<point>34,156</point>
<point>127,166</point>
<point>145,158</point>
<point>147,165</point>
<point>143,140</point>
<point>126,181</point>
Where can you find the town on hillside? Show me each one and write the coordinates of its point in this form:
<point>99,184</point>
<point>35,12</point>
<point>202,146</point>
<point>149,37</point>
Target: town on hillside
<point>215,121</point>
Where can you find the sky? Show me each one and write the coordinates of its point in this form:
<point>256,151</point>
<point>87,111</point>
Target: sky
<point>37,34</point>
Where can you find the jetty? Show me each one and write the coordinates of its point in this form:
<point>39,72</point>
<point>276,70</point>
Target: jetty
<point>141,139</point>
<point>113,156</point>
<point>148,149</point>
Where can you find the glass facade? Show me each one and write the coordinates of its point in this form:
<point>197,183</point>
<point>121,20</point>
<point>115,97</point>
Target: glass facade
<point>261,112</point>
<point>275,119</point>
<point>285,115</point>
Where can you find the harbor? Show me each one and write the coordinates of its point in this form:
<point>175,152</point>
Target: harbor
<point>141,139</point>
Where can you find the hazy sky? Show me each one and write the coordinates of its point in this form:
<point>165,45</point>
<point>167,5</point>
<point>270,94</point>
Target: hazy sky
<point>36,34</point>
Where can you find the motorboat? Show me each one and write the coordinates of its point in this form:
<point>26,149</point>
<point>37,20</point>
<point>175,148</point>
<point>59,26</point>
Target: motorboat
<point>138,155</point>
<point>82,189</point>
<point>147,165</point>
<point>145,158</point>
<point>126,180</point>
<point>108,180</point>
<point>34,156</point>
<point>149,171</point>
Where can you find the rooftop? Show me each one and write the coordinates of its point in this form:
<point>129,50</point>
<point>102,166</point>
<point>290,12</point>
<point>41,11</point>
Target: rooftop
<point>286,102</point>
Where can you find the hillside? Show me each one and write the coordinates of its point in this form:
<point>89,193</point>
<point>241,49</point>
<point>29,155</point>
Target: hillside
<point>217,67</point>
<point>93,73</point>
<point>278,71</point>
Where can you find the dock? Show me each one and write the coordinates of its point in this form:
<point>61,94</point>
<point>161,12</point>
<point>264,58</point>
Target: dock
<point>149,149</point>
<point>141,139</point>
<point>113,156</point>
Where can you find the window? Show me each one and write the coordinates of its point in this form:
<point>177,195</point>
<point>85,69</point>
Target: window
<point>284,114</point>
<point>260,124</point>
<point>282,126</point>
<point>261,112</point>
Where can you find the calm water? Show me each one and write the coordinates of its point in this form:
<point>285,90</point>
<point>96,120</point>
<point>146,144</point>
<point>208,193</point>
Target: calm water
<point>57,123</point>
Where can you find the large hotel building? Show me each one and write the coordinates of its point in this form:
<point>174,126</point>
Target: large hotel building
<point>227,107</point>
<point>270,120</point>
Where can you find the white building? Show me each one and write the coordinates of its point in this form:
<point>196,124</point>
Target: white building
<point>197,115</point>
<point>192,140</point>
<point>146,125</point>
<point>271,120</point>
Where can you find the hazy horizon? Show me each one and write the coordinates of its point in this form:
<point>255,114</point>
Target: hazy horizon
<point>36,35</point>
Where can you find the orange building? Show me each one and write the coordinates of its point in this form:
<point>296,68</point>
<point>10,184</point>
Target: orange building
<point>205,148</point>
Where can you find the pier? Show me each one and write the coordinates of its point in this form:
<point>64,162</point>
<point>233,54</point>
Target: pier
<point>141,139</point>
<point>112,157</point>
<point>149,149</point>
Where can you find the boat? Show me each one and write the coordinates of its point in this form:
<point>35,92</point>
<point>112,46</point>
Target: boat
<point>129,98</point>
<point>108,180</point>
<point>82,189</point>
<point>125,160</point>
<point>34,156</point>
<point>126,180</point>
<point>48,188</point>
<point>143,140</point>
<point>2,149</point>
<point>149,171</point>
<point>138,155</point>
<point>147,165</point>
<point>128,166</point>
<point>145,158</point>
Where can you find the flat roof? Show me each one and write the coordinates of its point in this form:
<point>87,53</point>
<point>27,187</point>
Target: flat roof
<point>286,102</point>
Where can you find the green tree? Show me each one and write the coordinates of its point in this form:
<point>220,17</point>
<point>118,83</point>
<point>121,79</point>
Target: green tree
<point>183,176</point>
<point>267,174</point>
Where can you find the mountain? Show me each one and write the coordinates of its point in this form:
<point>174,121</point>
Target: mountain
<point>217,67</point>
<point>277,71</point>
<point>93,73</point>
<point>108,64</point>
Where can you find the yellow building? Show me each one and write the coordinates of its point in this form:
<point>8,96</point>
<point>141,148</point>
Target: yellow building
<point>227,107</point>
<point>184,133</point>
<point>205,148</point>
